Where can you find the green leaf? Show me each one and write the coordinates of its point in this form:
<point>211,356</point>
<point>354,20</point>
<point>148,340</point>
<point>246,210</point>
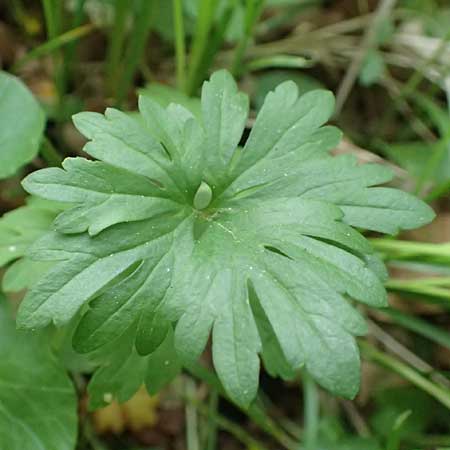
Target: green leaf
<point>177,225</point>
<point>203,196</point>
<point>18,230</point>
<point>21,125</point>
<point>38,408</point>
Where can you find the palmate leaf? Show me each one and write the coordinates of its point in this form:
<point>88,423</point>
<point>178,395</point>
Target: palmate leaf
<point>177,226</point>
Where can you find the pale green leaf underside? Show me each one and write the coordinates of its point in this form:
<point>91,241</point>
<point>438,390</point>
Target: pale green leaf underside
<point>269,266</point>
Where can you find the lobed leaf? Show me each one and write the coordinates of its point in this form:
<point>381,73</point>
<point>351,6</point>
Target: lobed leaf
<point>179,234</point>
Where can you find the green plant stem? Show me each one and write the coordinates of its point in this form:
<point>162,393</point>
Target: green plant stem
<point>52,18</point>
<point>393,441</point>
<point>383,10</point>
<point>206,10</point>
<point>53,45</point>
<point>215,43</point>
<point>395,248</point>
<point>383,359</point>
<point>192,441</point>
<point>180,46</point>
<point>255,411</point>
<point>116,40</point>
<point>138,39</point>
<point>50,154</point>
<point>211,437</point>
<point>411,287</point>
<point>69,52</point>
<point>420,327</point>
<point>252,12</point>
<point>311,411</point>
<point>227,425</point>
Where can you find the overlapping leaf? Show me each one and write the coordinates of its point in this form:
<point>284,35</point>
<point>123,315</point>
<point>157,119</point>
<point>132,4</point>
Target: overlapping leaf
<point>18,230</point>
<point>38,408</point>
<point>269,267</point>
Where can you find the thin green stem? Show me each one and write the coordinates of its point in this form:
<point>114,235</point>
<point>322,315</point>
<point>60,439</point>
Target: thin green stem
<point>215,43</point>
<point>419,326</point>
<point>383,10</point>
<point>53,21</point>
<point>255,412</point>
<point>180,46</point>
<point>138,39</point>
<point>51,18</point>
<point>252,12</point>
<point>383,359</point>
<point>394,248</point>
<point>116,40</point>
<point>413,288</point>
<point>50,154</point>
<point>227,425</point>
<point>311,411</point>
<point>69,52</point>
<point>393,441</point>
<point>211,437</point>
<point>53,45</point>
<point>192,441</point>
<point>206,10</point>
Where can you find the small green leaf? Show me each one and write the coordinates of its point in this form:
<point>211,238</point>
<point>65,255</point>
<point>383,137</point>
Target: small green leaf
<point>203,196</point>
<point>21,125</point>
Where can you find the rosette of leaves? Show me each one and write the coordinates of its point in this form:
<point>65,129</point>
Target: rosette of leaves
<point>177,230</point>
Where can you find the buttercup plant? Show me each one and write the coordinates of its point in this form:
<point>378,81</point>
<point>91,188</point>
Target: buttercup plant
<point>175,232</point>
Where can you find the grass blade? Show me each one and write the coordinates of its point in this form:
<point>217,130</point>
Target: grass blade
<point>371,353</point>
<point>180,46</point>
